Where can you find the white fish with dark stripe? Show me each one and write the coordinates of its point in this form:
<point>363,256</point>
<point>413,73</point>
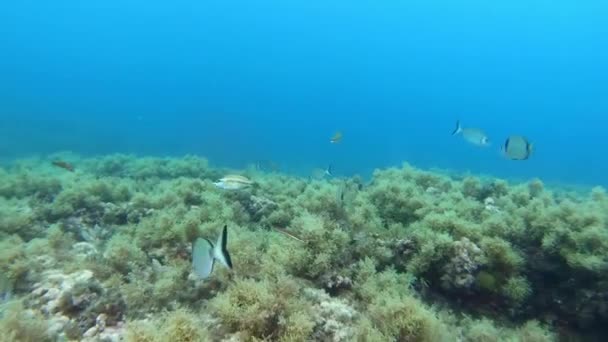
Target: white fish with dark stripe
<point>474,136</point>
<point>517,147</point>
<point>205,253</point>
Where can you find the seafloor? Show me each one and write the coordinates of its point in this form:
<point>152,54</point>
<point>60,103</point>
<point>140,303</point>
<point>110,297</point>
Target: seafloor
<point>103,254</point>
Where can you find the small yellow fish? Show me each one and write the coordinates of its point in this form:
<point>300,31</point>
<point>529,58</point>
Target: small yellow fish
<point>336,138</point>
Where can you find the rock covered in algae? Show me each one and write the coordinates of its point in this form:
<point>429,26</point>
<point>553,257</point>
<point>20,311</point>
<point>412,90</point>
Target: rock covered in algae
<point>129,221</point>
<point>460,271</point>
<point>77,303</point>
<point>335,319</point>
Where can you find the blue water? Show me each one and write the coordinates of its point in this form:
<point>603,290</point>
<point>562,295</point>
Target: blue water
<point>238,81</point>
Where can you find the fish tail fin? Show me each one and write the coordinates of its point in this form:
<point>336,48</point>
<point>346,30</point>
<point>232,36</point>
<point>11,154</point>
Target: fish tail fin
<point>328,170</point>
<point>458,128</point>
<point>220,251</point>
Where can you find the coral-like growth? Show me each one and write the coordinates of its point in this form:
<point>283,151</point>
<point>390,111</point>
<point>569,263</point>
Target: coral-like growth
<point>460,271</point>
<point>78,302</point>
<point>334,318</point>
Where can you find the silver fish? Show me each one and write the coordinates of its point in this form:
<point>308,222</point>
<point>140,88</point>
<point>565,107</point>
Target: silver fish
<point>474,136</point>
<point>233,182</point>
<point>517,147</point>
<point>205,253</point>
<point>318,173</point>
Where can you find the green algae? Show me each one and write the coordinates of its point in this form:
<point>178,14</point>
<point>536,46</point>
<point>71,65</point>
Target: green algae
<point>179,325</point>
<point>20,324</point>
<point>486,281</point>
<point>395,258</point>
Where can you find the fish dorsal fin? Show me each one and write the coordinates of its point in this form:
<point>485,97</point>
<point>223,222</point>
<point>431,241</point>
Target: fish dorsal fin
<point>202,257</point>
<point>220,250</point>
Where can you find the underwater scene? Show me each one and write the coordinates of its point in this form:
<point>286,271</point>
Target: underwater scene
<point>336,171</point>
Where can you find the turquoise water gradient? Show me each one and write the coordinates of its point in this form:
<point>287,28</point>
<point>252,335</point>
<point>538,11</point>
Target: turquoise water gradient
<point>238,81</point>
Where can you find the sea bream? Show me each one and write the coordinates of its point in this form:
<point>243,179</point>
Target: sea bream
<point>233,182</point>
<point>517,147</point>
<point>205,253</point>
<point>474,136</point>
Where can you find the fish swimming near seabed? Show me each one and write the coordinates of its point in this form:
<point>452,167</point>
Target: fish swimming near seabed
<point>474,136</point>
<point>233,182</point>
<point>517,147</point>
<point>320,173</point>
<point>347,191</point>
<point>63,164</point>
<point>288,234</point>
<point>205,253</point>
<point>328,171</point>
